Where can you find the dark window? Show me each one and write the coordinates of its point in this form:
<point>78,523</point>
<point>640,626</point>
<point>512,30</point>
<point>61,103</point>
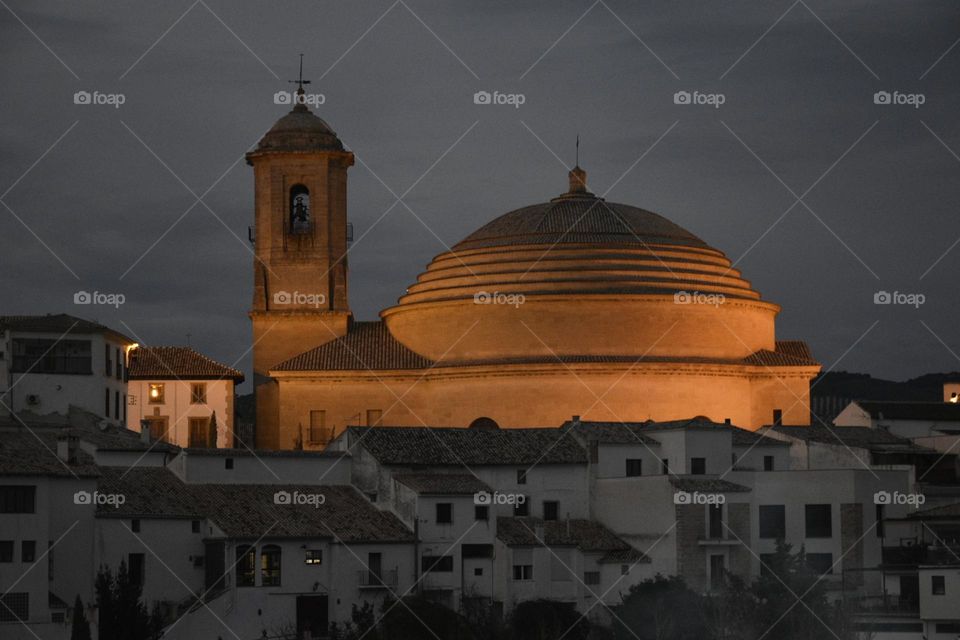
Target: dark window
<point>521,476</point>
<point>270,565</point>
<point>313,556</point>
<point>938,585</point>
<point>478,571</point>
<point>195,526</point>
<point>819,521</point>
<point>880,514</point>
<point>50,560</point>
<point>15,607</point>
<point>820,563</point>
<point>246,566</point>
<point>521,508</point>
<point>591,578</point>
<point>116,405</point>
<point>773,521</point>
<point>6,550</point>
<point>698,466</point>
<point>28,551</point>
<point>135,526</point>
<point>228,463</point>
<point>551,509</point>
<point>665,466</point>
<point>437,564</point>
<point>199,432</point>
<point>444,513</point>
<point>119,375</point>
<point>715,520</point>
<point>137,567</point>
<point>198,393</point>
<point>523,572</point>
<point>124,408</point>
<point>18,498</point>
<point>481,512</point>
<point>106,403</point>
<point>948,627</point>
<point>768,463</point>
<point>634,467</point>
<point>108,363</point>
<point>42,355</point>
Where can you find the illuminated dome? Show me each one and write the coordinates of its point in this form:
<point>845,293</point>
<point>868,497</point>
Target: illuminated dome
<point>581,277</point>
<point>298,131</point>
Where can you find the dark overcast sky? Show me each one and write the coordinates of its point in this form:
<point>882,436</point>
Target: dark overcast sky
<point>399,78</point>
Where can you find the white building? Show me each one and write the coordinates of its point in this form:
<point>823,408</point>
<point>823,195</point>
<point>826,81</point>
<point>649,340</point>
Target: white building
<point>53,362</point>
<point>179,392</point>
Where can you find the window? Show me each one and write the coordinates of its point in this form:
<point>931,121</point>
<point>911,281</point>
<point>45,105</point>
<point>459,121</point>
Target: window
<point>116,405</point>
<point>521,476</point>
<point>820,563</point>
<point>819,521</point>
<point>42,355</point>
<point>299,221</point>
<point>444,513</point>
<point>199,429</point>
<point>481,512</point>
<point>136,566</point>
<point>768,463</point>
<point>318,426</point>
<point>880,515</point>
<point>106,403</point>
<point>15,607</point>
<point>523,572</point>
<point>313,556</point>
<point>478,571</point>
<point>698,466</point>
<point>18,498</point>
<point>521,508</point>
<point>717,571</point>
<point>108,363</point>
<point>50,575</point>
<point>158,428</point>
<point>6,550</point>
<point>195,526</point>
<point>124,408</point>
<point>28,551</point>
<point>119,375</point>
<point>773,521</point>
<point>778,416</point>
<point>135,526</point>
<point>198,393</point>
<point>938,585</point>
<point>551,509</point>
<point>634,467</point>
<point>270,565</point>
<point>715,521</point>
<point>591,578</point>
<point>156,393</point>
<point>228,463</point>
<point>246,566</point>
<point>436,564</point>
<point>665,466</point>
<point>373,417</point>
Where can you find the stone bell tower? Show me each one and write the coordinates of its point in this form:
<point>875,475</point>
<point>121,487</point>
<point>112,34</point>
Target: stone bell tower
<point>300,237</point>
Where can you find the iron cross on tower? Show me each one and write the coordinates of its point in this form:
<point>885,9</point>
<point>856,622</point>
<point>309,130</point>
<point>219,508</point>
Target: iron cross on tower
<point>300,82</point>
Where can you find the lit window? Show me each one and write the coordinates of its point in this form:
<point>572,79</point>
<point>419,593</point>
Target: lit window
<point>313,556</point>
<point>156,393</point>
<point>246,566</point>
<point>270,565</point>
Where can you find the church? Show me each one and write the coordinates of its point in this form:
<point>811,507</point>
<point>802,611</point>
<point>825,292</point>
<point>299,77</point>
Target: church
<point>571,307</point>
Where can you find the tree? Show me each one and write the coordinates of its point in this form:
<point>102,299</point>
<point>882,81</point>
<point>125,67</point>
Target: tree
<point>106,606</point>
<point>547,620</point>
<point>661,609</point>
<point>212,437</point>
<point>80,626</point>
<point>121,615</point>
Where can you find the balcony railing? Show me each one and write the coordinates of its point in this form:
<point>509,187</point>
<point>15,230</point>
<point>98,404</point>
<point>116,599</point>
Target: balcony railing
<point>373,580</point>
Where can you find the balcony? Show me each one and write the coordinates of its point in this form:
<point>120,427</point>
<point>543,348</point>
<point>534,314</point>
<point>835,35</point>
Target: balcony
<point>885,604</point>
<point>373,580</point>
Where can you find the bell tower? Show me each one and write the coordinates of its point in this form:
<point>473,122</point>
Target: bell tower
<point>300,239</point>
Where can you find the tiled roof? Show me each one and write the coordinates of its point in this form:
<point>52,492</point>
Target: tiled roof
<point>171,363</point>
<point>367,345</point>
<point>611,432</point>
<point>863,437</point>
<point>56,323</point>
<point>452,484</point>
<point>252,511</point>
<point>439,446</point>
<point>33,452</point>
<point>634,432</point>
<point>707,484</point>
<point>932,411</point>
<point>787,353</point>
<point>943,512</point>
<point>586,535</point>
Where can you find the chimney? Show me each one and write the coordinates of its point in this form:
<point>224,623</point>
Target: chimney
<point>67,448</point>
<point>777,417</point>
<point>727,421</point>
<point>145,431</point>
<point>575,421</point>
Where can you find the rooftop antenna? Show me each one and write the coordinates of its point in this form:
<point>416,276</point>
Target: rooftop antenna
<point>578,151</point>
<point>300,81</point>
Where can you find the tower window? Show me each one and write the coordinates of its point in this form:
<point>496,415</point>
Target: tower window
<point>300,209</point>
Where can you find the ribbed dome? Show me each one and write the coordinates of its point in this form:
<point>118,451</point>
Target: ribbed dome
<point>579,275</point>
<point>299,130</point>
